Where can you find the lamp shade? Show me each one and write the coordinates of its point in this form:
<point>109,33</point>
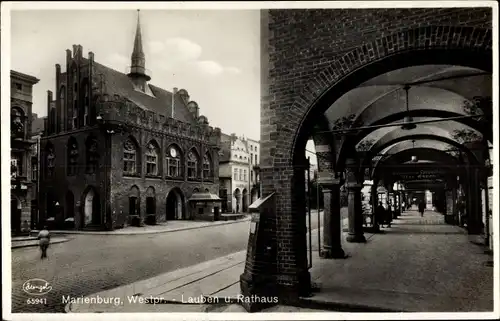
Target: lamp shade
<point>408,123</point>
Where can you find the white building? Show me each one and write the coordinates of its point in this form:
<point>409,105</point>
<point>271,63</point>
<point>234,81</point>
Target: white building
<point>238,173</point>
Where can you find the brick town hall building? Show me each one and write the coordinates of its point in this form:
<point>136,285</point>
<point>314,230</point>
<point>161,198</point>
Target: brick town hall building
<point>119,151</point>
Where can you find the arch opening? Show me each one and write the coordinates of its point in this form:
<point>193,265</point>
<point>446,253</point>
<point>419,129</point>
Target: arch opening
<point>175,205</point>
<point>92,208</point>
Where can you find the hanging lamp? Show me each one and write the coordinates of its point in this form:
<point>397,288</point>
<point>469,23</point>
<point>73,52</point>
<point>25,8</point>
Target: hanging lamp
<point>414,158</point>
<point>408,120</point>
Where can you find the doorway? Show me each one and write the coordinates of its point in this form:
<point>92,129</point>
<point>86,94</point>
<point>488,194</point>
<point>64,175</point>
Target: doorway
<point>92,208</point>
<point>15,215</point>
<point>174,205</point>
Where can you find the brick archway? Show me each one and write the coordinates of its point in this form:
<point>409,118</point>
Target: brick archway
<point>293,103</point>
<point>370,154</point>
<point>465,46</point>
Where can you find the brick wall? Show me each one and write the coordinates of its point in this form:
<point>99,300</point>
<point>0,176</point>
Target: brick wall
<point>121,185</point>
<point>311,57</point>
<point>60,184</point>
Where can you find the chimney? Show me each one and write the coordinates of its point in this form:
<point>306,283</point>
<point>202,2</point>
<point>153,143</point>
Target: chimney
<point>58,75</point>
<point>80,51</point>
<point>68,58</point>
<point>91,56</point>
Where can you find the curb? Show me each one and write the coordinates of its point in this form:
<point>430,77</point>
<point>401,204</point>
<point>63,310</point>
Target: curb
<point>149,232</point>
<point>14,246</point>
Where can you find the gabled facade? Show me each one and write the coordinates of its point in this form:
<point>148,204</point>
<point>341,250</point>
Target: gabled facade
<point>238,173</point>
<point>120,151</point>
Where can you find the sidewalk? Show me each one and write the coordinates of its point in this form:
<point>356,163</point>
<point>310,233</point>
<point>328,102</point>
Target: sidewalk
<point>171,226</point>
<point>418,265</point>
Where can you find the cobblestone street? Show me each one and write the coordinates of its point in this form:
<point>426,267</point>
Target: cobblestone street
<point>91,263</point>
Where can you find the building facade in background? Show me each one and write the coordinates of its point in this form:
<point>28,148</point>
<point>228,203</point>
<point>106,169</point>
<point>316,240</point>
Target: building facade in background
<point>37,130</point>
<point>238,173</point>
<point>22,192</point>
<point>120,151</point>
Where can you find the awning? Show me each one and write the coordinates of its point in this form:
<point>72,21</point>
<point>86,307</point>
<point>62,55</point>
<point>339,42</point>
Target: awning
<point>204,197</point>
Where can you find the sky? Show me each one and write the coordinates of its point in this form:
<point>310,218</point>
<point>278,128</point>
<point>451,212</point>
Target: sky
<point>213,54</point>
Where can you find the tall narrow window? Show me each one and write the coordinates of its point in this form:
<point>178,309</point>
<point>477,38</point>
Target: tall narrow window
<point>16,165</point>
<point>50,158</point>
<point>75,98</point>
<point>244,175</point>
<point>92,155</point>
<point>86,105</point>
<point>241,174</point>
<point>72,164</point>
<point>75,114</point>
<point>174,167</point>
<point>235,174</point>
<point>207,165</point>
<point>129,157</point>
<point>152,160</point>
<point>192,165</point>
<point>17,123</point>
<point>34,169</point>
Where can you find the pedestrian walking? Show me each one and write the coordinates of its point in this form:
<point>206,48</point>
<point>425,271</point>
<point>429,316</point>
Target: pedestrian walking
<point>421,208</point>
<point>388,215</point>
<point>44,241</point>
<point>379,214</point>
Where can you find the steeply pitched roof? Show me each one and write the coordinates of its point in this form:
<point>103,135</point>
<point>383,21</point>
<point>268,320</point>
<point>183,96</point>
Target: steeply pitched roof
<point>117,83</point>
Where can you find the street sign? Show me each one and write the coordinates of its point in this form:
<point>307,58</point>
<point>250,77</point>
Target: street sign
<point>419,175</point>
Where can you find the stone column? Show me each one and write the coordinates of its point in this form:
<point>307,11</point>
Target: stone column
<point>375,200</point>
<point>355,209</point>
<point>332,222</point>
<point>474,218</point>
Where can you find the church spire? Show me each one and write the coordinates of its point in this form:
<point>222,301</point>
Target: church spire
<point>138,59</point>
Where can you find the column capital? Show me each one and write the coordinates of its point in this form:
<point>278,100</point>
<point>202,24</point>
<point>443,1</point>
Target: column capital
<point>329,182</point>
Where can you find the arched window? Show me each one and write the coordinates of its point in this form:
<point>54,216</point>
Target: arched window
<point>86,102</point>
<point>17,122</point>
<point>50,160</point>
<point>129,157</point>
<point>207,167</point>
<point>174,163</point>
<point>192,164</point>
<point>92,155</point>
<point>152,159</point>
<point>72,150</point>
<point>75,98</point>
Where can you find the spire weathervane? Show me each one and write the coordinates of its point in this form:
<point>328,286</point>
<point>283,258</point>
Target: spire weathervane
<point>138,59</point>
